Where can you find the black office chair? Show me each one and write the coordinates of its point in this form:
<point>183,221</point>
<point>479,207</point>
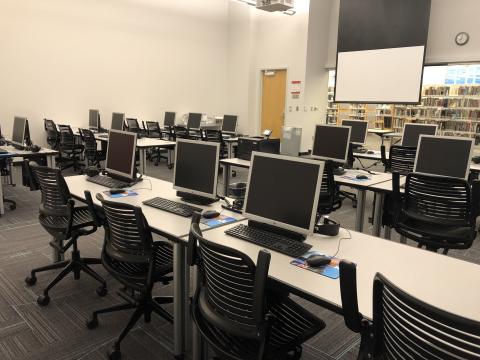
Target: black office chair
<point>437,212</point>
<point>131,257</point>
<point>64,221</point>
<point>154,131</point>
<point>233,310</point>
<point>350,161</point>
<point>53,135</point>
<point>5,171</point>
<point>404,327</point>
<point>92,154</point>
<point>330,198</point>
<point>70,151</point>
<point>181,132</point>
<point>133,126</point>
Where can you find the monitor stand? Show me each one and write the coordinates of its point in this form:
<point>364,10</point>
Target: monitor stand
<point>129,181</point>
<point>276,230</point>
<point>195,199</point>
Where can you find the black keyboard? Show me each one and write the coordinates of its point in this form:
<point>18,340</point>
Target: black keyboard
<point>279,243</point>
<point>172,206</point>
<point>108,182</point>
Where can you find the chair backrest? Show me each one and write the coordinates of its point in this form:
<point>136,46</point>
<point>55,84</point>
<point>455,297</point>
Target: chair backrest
<point>153,129</point>
<point>232,290</point>
<point>90,143</point>
<point>132,125</point>
<point>438,200</point>
<point>54,189</point>
<point>53,135</point>
<point>328,190</point>
<point>213,135</point>
<point>181,132</point>
<point>406,327</point>
<point>401,159</point>
<point>67,139</point>
<point>127,234</point>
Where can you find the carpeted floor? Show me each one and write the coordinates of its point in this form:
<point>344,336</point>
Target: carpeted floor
<point>58,331</point>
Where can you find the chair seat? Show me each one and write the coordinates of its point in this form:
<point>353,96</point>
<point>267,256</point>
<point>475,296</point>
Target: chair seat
<point>137,273</point>
<point>81,218</point>
<point>292,325</point>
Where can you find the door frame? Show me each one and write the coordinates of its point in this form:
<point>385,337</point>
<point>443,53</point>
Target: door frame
<point>258,124</point>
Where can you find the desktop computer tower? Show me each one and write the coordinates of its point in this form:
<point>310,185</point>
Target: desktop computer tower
<point>247,145</point>
<point>291,141</point>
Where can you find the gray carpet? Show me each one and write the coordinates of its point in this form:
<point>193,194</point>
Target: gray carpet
<point>58,331</point>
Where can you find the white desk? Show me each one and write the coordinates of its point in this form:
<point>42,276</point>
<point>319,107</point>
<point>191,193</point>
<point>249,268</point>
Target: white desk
<point>166,224</point>
<point>436,279</point>
<point>348,179</point>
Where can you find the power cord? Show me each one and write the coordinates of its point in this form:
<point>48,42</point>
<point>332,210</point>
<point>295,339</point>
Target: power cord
<point>340,241</point>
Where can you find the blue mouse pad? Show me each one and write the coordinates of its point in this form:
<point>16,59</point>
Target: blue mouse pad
<point>331,270</point>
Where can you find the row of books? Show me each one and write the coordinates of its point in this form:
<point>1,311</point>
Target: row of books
<point>452,102</point>
<point>452,90</point>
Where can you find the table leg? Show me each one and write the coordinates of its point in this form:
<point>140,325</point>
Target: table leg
<point>360,210</point>
<point>51,161</point>
<point>226,178</point>
<point>377,217</point>
<point>169,157</point>
<point>2,205</point>
<point>230,149</point>
<point>388,232</point>
<point>143,160</point>
<point>180,298</point>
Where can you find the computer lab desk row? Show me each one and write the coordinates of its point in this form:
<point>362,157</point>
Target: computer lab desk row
<point>424,274</point>
<point>15,153</point>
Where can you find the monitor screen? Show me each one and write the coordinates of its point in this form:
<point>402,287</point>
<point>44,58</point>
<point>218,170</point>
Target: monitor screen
<point>412,132</point>
<point>445,156</point>
<point>229,123</point>
<point>118,120</point>
<point>93,119</point>
<point>121,153</point>
<point>169,119</point>
<point>194,120</point>
<point>359,131</point>
<point>18,134</point>
<point>289,202</point>
<point>196,167</point>
<point>331,142</point>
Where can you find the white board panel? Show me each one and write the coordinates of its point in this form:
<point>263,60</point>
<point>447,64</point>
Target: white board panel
<point>380,76</point>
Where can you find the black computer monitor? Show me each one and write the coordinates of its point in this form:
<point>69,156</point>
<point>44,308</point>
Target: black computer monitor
<point>358,134</point>
<point>290,201</point>
<point>194,120</point>
<point>444,155</point>
<point>229,123</point>
<point>412,132</point>
<point>121,154</point>
<point>196,168</point>
<point>94,120</point>
<point>331,142</point>
<point>169,119</point>
<point>19,130</point>
<point>118,121</point>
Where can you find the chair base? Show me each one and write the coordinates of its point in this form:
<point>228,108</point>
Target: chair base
<point>144,305</point>
<point>75,265</point>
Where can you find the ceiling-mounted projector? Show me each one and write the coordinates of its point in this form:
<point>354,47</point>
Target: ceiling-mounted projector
<point>275,5</point>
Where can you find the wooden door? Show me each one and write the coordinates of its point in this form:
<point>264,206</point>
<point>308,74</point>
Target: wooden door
<point>274,86</point>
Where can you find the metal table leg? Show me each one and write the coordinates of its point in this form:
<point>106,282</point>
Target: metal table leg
<point>143,160</point>
<point>2,205</point>
<point>226,178</point>
<point>360,210</point>
<point>180,298</point>
<point>388,232</point>
<point>51,161</point>
<point>377,218</point>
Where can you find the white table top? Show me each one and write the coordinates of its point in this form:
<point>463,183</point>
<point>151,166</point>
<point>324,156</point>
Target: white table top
<point>160,221</point>
<point>377,155</point>
<point>16,152</point>
<point>380,131</point>
<point>387,186</point>
<point>236,162</point>
<point>436,279</point>
<point>349,178</point>
<point>144,142</point>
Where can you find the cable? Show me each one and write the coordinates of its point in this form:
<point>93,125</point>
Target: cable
<point>144,188</point>
<point>340,241</point>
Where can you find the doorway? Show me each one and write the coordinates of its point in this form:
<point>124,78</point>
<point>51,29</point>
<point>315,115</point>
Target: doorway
<point>274,87</point>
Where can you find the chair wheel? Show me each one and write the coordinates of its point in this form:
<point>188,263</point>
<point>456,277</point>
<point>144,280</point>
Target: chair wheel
<point>43,300</point>
<point>13,207</point>
<point>30,280</point>
<point>170,166</point>
<point>92,323</point>
<point>101,291</point>
<point>114,355</point>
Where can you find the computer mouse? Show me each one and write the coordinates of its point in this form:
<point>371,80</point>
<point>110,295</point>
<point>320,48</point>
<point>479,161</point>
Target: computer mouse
<point>210,214</point>
<point>116,191</point>
<point>362,177</point>
<point>370,152</point>
<point>318,260</point>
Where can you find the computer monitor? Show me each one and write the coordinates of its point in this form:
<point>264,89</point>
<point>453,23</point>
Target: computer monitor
<point>196,168</point>
<point>194,120</point>
<point>19,130</point>
<point>290,202</point>
<point>331,142</point>
<point>94,120</point>
<point>121,154</point>
<point>444,156</point>
<point>359,131</point>
<point>412,132</point>
<point>118,121</point>
<point>169,119</point>
<point>229,123</point>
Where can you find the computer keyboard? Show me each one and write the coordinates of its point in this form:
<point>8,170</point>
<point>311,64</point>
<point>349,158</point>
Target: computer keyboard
<point>279,243</point>
<point>108,182</point>
<point>172,206</point>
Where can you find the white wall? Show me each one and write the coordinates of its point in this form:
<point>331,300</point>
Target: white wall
<point>142,57</point>
<point>447,19</point>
